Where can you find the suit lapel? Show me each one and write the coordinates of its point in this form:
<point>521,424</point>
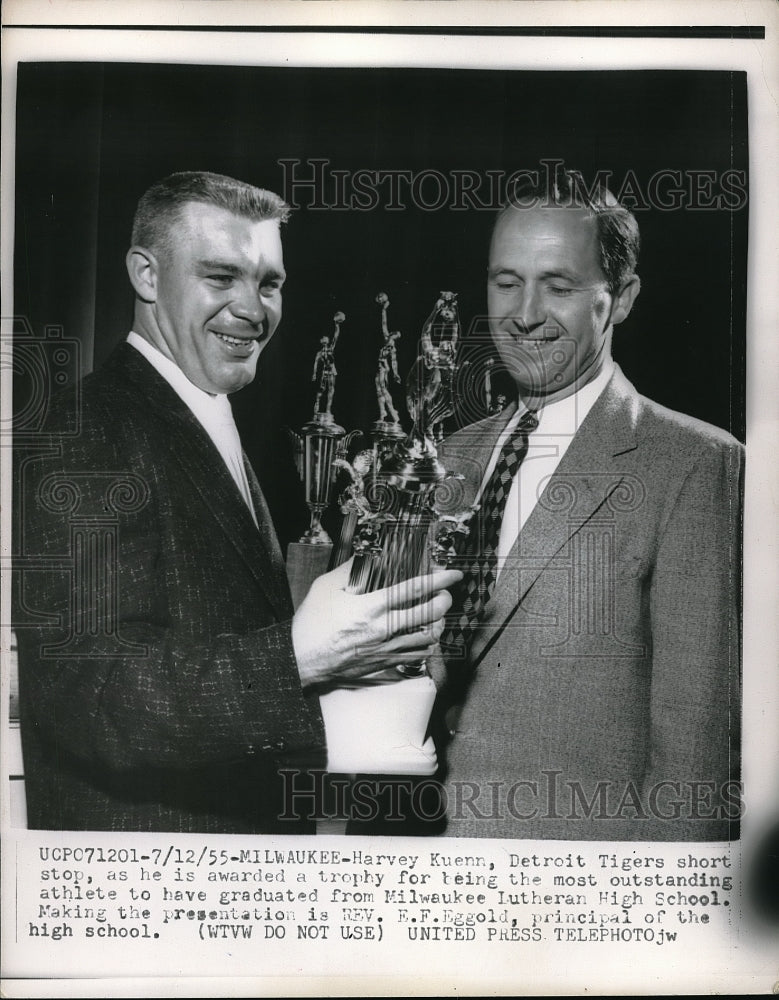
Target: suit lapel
<point>278,579</point>
<point>195,453</point>
<point>469,452</point>
<point>586,476</point>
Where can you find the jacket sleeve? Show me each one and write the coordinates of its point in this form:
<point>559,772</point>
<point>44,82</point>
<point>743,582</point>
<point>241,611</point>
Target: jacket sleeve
<point>691,782</point>
<point>111,671</point>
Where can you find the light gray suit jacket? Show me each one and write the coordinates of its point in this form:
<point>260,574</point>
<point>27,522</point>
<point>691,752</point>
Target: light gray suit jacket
<point>601,695</point>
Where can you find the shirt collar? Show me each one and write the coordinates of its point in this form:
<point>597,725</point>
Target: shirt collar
<point>565,416</point>
<point>199,401</point>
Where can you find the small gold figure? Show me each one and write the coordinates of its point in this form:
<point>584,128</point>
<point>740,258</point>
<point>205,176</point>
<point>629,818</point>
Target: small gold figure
<point>326,372</point>
<point>387,363</point>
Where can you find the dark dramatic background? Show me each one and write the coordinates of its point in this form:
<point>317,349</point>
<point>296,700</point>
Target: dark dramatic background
<point>91,138</point>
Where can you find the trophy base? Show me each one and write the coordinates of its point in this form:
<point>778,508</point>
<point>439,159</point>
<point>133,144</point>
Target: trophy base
<point>379,728</point>
<point>323,424</point>
<point>320,537</point>
<point>304,564</point>
<point>387,430</point>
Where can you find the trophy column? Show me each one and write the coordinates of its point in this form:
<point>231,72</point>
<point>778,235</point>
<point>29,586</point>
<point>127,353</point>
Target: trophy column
<point>309,557</point>
<point>316,452</point>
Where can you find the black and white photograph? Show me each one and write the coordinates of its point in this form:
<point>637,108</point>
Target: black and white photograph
<point>387,435</point>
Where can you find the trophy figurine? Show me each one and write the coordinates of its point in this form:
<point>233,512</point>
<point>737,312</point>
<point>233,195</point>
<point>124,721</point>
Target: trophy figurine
<point>322,438</point>
<point>387,365</point>
<point>430,387</point>
<point>353,503</point>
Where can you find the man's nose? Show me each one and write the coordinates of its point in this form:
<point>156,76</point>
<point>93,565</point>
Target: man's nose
<point>248,305</point>
<point>530,313</point>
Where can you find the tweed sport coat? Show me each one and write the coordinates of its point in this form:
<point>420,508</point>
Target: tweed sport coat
<point>601,696</point>
<point>159,690</point>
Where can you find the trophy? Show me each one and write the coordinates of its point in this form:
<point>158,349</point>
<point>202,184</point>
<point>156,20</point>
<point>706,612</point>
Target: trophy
<point>387,432</point>
<point>322,438</point>
<point>393,543</point>
<point>394,526</point>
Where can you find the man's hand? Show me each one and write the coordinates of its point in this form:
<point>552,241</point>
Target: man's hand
<point>344,636</point>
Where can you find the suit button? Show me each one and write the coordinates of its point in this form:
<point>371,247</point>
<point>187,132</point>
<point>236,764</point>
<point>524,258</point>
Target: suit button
<point>251,750</point>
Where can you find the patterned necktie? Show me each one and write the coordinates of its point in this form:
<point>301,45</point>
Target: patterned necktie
<point>481,559</point>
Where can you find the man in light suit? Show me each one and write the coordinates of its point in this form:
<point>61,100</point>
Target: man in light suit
<point>593,689</point>
<point>166,683</point>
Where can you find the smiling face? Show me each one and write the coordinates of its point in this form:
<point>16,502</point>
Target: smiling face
<point>551,311</point>
<point>213,301</point>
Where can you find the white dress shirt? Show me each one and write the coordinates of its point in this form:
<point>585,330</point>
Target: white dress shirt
<point>557,424</point>
<point>214,413</point>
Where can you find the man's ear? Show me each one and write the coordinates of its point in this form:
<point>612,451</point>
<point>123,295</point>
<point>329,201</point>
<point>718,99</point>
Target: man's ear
<point>143,269</point>
<point>624,299</point>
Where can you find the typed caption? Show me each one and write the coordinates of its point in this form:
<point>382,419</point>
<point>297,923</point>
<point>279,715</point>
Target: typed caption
<point>259,901</point>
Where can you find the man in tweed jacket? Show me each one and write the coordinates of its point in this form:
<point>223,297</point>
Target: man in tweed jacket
<point>167,681</point>
<point>598,697</point>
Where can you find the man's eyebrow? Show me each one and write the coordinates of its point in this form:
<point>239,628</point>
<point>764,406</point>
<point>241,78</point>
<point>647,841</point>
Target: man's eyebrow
<point>497,272</point>
<point>563,273</point>
<point>220,265</point>
<point>236,270</point>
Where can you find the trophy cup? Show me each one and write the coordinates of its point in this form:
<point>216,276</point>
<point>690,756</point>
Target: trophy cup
<point>378,724</point>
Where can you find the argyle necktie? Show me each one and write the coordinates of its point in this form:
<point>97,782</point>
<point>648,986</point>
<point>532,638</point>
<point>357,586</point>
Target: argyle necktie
<point>481,558</point>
